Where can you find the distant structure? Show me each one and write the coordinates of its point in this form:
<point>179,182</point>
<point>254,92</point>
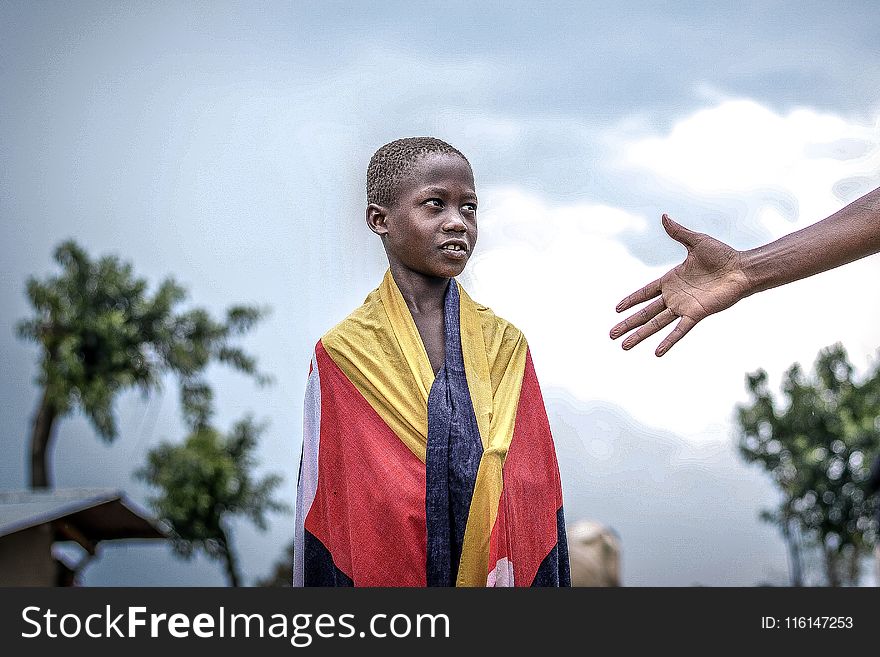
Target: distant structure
<point>31,522</point>
<point>594,553</point>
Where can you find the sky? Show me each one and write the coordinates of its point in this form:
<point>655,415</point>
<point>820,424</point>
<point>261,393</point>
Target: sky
<point>226,144</point>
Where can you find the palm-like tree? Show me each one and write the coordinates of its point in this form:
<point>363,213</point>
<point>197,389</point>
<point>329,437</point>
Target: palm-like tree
<point>100,332</point>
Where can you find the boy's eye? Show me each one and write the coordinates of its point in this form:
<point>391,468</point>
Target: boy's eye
<point>470,207</point>
<point>434,202</point>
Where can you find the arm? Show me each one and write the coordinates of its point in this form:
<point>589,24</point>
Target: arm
<point>847,235</point>
<point>715,276</point>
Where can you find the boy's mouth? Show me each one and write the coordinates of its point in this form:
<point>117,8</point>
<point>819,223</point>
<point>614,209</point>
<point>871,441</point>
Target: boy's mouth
<point>457,249</point>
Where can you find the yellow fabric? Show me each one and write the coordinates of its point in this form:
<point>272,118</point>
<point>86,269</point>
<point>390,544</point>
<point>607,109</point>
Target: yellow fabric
<point>379,349</point>
<point>495,359</point>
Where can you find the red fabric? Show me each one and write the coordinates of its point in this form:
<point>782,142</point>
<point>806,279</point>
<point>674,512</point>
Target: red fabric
<point>370,487</point>
<point>525,529</point>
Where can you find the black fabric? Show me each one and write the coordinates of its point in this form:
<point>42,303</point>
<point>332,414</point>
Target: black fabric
<point>319,567</point>
<point>453,454</point>
<point>554,569</point>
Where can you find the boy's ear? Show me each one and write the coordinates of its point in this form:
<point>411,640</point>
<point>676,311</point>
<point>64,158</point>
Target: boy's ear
<point>377,216</point>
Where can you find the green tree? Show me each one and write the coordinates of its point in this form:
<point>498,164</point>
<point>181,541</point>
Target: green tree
<point>203,483</point>
<point>100,332</point>
<point>817,447</point>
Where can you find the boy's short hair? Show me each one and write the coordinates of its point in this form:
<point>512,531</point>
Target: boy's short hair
<point>394,160</point>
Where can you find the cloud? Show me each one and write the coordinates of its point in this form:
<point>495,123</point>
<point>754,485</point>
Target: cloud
<point>557,271</point>
<point>739,146</point>
<point>672,504</point>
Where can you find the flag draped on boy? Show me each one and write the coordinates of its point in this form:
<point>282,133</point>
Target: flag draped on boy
<point>408,479</point>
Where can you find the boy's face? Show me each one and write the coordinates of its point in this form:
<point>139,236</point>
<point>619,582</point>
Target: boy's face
<point>431,227</point>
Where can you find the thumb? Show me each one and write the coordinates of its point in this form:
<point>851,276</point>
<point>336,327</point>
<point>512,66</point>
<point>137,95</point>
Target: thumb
<point>679,233</point>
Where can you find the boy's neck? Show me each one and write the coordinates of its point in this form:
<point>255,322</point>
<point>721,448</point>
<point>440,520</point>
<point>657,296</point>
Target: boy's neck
<point>422,294</point>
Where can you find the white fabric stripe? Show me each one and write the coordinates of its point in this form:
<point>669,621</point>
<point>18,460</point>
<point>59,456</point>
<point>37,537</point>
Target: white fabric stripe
<point>503,573</point>
<point>308,479</point>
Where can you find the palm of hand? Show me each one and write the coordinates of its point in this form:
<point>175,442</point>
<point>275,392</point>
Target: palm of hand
<point>707,282</point>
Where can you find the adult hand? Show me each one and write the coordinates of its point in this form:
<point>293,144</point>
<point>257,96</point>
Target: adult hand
<point>709,280</point>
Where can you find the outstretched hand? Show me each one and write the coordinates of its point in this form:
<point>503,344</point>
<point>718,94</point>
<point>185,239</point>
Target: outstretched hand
<point>709,280</point>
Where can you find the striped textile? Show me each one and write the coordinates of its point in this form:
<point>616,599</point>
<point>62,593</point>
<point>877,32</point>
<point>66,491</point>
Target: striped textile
<point>407,479</point>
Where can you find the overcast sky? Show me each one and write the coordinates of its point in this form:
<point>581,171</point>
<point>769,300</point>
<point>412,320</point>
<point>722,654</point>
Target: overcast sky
<point>227,144</point>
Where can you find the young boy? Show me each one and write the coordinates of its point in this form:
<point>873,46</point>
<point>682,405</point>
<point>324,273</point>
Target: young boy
<point>427,456</point>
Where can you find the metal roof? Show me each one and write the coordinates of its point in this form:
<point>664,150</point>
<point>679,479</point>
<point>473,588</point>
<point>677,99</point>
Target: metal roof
<point>95,514</point>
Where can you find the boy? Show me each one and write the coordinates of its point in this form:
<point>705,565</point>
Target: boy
<point>427,456</point>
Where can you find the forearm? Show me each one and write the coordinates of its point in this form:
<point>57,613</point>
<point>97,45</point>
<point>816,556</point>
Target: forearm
<point>849,234</point>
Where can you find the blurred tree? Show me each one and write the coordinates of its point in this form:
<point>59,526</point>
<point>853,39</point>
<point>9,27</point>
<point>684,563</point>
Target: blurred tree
<point>100,333</point>
<point>205,481</point>
<point>817,447</point>
<point>282,571</point>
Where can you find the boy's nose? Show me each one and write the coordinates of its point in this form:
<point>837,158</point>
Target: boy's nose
<point>454,222</point>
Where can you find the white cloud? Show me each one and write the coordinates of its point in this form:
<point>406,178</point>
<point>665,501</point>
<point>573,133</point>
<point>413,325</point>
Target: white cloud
<point>558,271</point>
<point>740,146</point>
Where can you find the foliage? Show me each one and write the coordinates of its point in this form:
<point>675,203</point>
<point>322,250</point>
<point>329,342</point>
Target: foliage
<point>203,483</point>
<point>101,332</point>
<point>817,446</point>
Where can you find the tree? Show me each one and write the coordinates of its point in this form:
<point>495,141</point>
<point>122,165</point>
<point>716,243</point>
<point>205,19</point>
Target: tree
<point>100,333</point>
<point>817,447</point>
<point>205,481</point>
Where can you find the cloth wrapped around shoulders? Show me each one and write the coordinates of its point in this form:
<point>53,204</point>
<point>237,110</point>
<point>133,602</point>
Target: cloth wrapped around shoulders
<point>407,479</point>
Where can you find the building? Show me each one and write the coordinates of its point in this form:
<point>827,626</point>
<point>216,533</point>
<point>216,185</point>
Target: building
<point>32,521</point>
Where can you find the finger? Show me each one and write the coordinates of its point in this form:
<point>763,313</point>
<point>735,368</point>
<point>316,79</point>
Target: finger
<point>650,291</point>
<point>676,334</point>
<point>663,319</point>
<point>679,233</point>
<point>635,320</point>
